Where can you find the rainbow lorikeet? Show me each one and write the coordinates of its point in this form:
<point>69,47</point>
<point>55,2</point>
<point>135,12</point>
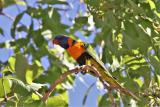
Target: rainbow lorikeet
<point>84,54</point>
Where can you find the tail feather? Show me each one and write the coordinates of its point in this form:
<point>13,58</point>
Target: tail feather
<point>114,84</point>
<point>107,77</point>
<point>128,92</point>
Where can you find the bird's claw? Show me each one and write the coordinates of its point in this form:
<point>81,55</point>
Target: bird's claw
<point>84,69</point>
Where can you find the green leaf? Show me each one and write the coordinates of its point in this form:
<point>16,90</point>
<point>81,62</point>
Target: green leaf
<point>23,89</point>
<point>29,76</point>
<point>103,101</point>
<point>19,86</point>
<point>110,20</point>
<point>52,74</point>
<point>155,63</point>
<point>16,21</point>
<point>7,86</point>
<point>158,77</point>
<point>58,101</point>
<point>38,38</point>
<point>34,12</point>
<point>37,69</point>
<point>7,3</point>
<point>1,31</point>
<point>158,6</point>
<point>139,81</point>
<point>152,4</point>
<point>87,93</point>
<point>136,38</point>
<point>2,45</point>
<point>22,28</point>
<point>11,103</point>
<point>52,2</point>
<point>35,86</point>
<point>11,62</point>
<point>35,97</point>
<point>51,21</point>
<point>21,66</point>
<point>137,10</point>
<point>10,66</point>
<point>81,20</point>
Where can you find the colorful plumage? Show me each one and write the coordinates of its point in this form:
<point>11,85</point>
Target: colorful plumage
<point>85,55</point>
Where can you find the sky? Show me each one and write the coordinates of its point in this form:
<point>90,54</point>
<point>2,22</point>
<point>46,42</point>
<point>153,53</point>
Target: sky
<point>82,82</point>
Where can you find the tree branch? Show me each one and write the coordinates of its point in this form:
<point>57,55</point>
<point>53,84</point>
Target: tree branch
<point>83,68</point>
<point>86,68</point>
<point>59,80</point>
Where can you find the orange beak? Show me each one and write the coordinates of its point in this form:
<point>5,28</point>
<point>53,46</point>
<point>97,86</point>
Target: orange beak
<point>55,41</point>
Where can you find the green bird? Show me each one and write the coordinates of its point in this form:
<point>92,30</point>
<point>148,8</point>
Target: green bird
<point>84,54</point>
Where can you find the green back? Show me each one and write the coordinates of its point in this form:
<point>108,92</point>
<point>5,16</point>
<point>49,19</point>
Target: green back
<point>94,55</point>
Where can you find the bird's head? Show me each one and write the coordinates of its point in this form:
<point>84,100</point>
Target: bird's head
<point>63,41</point>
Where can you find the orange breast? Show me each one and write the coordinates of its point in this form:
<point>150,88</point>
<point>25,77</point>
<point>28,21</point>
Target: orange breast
<point>76,50</point>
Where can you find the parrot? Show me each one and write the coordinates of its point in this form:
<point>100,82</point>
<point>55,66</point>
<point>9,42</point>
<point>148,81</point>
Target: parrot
<point>84,54</point>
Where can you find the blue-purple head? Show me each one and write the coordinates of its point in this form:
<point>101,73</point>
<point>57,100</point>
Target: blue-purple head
<point>62,41</point>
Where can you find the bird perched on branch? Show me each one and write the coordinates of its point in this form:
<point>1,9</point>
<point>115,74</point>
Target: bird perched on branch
<point>84,54</point>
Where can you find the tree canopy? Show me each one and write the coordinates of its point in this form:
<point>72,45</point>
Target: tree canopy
<point>124,33</point>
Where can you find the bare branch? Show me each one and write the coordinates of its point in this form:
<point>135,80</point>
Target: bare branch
<point>59,80</point>
<point>64,75</point>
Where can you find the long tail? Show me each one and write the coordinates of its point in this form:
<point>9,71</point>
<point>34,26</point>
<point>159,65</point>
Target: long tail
<point>125,91</point>
<point>128,92</point>
<point>114,84</point>
<point>107,77</point>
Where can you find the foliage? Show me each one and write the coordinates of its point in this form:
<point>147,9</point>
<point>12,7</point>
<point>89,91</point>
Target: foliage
<point>129,29</point>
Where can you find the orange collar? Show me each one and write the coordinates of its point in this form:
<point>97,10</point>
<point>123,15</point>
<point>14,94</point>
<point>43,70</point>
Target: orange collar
<point>75,50</point>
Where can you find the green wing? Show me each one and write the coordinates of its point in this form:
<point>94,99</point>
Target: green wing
<point>94,55</point>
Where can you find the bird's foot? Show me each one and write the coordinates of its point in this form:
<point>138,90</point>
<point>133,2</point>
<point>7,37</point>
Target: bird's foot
<point>85,69</point>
